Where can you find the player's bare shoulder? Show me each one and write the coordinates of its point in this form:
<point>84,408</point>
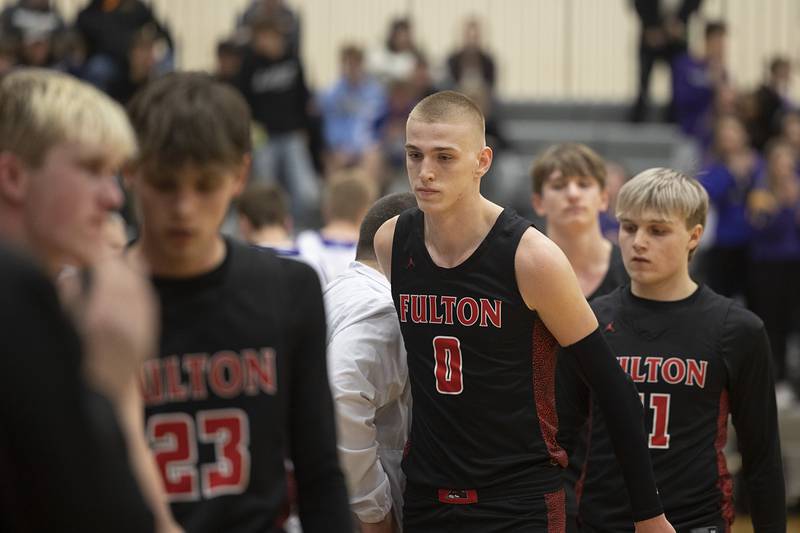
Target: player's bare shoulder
<point>384,238</point>
<point>537,261</point>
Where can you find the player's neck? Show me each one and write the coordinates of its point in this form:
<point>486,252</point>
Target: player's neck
<point>452,236</point>
<point>585,248</point>
<point>340,230</point>
<point>672,289</point>
<point>204,260</point>
<point>370,262</point>
<point>271,236</point>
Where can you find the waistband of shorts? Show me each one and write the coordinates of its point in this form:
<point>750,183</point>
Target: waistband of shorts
<point>467,496</point>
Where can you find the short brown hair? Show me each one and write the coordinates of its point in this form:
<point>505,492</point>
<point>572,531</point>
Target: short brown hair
<point>188,117</point>
<point>571,159</point>
<point>448,105</point>
<point>347,195</point>
<point>263,205</point>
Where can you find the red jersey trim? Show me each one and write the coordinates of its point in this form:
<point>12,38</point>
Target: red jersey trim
<point>724,479</point>
<point>556,512</point>
<point>544,389</point>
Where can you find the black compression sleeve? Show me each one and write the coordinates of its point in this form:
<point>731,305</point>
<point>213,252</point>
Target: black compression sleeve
<point>747,356</point>
<point>619,402</point>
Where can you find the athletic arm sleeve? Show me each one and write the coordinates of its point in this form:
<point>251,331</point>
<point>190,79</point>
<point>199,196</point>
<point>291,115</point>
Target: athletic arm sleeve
<point>619,402</point>
<point>322,495</point>
<point>361,374</point>
<point>751,390</point>
<point>573,402</point>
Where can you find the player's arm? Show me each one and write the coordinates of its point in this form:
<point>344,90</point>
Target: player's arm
<point>384,239</point>
<point>751,393</point>
<point>549,286</point>
<point>360,375</point>
<point>322,495</point>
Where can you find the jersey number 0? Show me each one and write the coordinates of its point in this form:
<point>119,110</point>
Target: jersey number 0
<point>447,365</point>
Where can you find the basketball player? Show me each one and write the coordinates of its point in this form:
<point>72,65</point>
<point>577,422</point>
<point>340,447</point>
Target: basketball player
<point>68,459</point>
<point>369,377</point>
<point>241,380</point>
<point>569,191</point>
<point>483,301</point>
<point>345,200</point>
<point>696,358</point>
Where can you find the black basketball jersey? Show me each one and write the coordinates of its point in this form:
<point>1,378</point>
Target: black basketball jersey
<point>481,366</point>
<point>239,384</point>
<point>694,362</point>
<point>616,275</point>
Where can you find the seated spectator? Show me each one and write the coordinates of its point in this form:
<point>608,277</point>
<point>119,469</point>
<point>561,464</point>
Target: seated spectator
<point>395,61</point>
<point>30,18</point>
<point>774,210</point>
<point>729,178</point>
<point>351,109</point>
<point>9,55</point>
<point>771,101</point>
<point>140,66</point>
<point>272,81</point>
<point>108,28</point>
<point>696,80</point>
<point>472,65</point>
<point>345,201</point>
<point>278,12</point>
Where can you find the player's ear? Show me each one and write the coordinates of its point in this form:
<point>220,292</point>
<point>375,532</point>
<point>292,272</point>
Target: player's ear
<point>695,234</point>
<point>13,178</point>
<point>536,202</point>
<point>485,157</point>
<point>603,199</point>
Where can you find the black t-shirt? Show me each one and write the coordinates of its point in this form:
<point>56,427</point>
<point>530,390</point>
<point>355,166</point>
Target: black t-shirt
<point>481,367</point>
<point>241,383</point>
<point>694,362</point>
<point>63,459</point>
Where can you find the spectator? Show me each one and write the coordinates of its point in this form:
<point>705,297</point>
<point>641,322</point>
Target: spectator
<point>28,18</point>
<point>108,28</point>
<point>272,81</point>
<point>728,180</point>
<point>771,102</point>
<point>696,81</point>
<point>662,38</point>
<point>278,12</point>
<point>229,61</point>
<point>8,55</point>
<point>396,60</point>
<point>774,209</point>
<point>140,65</point>
<point>472,65</point>
<point>350,112</point>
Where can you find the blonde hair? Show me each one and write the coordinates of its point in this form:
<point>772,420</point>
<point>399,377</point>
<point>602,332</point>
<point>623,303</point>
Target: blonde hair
<point>41,108</point>
<point>446,106</point>
<point>667,192</point>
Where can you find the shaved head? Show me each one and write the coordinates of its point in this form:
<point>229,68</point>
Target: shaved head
<point>451,107</point>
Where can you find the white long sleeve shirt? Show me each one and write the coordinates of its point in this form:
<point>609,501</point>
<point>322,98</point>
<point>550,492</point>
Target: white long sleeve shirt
<point>369,382</point>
